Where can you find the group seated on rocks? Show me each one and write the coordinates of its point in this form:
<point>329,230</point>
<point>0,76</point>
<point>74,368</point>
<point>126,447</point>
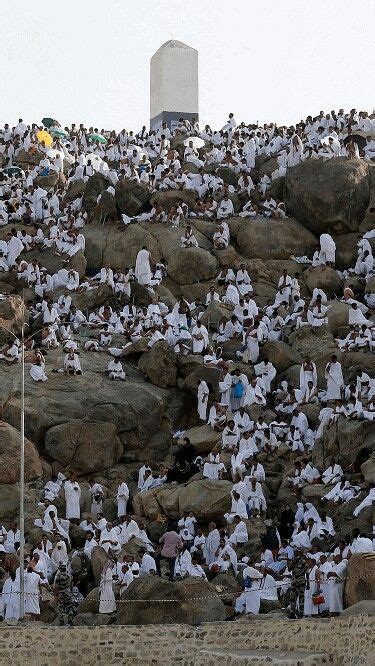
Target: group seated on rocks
<point>145,248</point>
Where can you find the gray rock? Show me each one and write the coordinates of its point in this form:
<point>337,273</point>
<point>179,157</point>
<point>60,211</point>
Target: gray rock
<point>159,364</point>
<point>84,620</point>
<point>131,197</point>
<point>94,186</point>
<point>78,445</point>
<point>329,196</point>
<point>361,608</point>
<point>196,602</point>
<point>258,238</point>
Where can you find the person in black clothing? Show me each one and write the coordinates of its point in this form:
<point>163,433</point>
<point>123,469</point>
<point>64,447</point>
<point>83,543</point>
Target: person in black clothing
<point>186,454</point>
<point>286,522</point>
<point>270,539</point>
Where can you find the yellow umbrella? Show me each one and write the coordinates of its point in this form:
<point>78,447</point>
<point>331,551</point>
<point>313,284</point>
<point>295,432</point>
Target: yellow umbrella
<point>42,135</point>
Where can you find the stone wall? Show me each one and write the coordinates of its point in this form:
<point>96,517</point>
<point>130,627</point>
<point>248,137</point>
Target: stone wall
<point>339,641</point>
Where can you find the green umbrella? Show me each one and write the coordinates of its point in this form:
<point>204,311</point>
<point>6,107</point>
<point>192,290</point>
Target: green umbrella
<point>56,131</point>
<point>12,169</point>
<point>97,137</point>
<point>48,122</point>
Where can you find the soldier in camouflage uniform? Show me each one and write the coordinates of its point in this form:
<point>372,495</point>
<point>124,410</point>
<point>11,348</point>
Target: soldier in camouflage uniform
<point>294,597</point>
<point>63,593</point>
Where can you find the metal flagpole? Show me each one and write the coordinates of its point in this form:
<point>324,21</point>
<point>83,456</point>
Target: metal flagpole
<point>22,461</point>
<point>22,479</point>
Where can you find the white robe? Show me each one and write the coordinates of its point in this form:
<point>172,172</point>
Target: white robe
<point>37,373</point>
<point>107,603</point>
<point>128,530</point>
<point>32,581</point>
<point>335,588</point>
<point>11,599</point>
<point>306,376</point>
<point>143,268</point>
<point>249,600</point>
<point>122,499</point>
<point>72,493</point>
<point>202,395</point>
<point>335,380</point>
<point>225,389</point>
<point>200,339</point>
<point>211,545</point>
<point>327,249</point>
<point>309,608</point>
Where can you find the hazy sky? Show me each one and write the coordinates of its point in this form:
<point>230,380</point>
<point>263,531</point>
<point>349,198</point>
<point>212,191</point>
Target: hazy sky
<point>272,60</point>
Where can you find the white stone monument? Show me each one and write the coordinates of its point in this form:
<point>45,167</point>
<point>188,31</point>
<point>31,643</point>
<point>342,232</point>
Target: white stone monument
<point>173,84</point>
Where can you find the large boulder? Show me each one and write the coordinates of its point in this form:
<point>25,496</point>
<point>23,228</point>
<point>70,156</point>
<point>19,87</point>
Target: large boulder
<point>361,608</point>
<point>98,559</point>
<point>133,406</point>
<point>360,581</point>
<point>84,446</point>
<point>10,457</point>
<point>169,239</point>
<point>119,247</point>
<point>25,157</point>
<point>370,285</point>
<point>319,344</point>
<point>168,198</point>
<point>338,315</point>
<point>229,176</point>
<point>159,364</point>
<point>10,504</point>
<point>215,313</point>
<point>281,355</point>
<point>345,441</point>
<point>131,197</point>
<point>323,277</point>
<point>192,264</point>
<point>90,604</point>
<point>235,199</point>
<point>193,601</point>
<point>52,180</point>
<point>203,438</point>
<point>368,469</point>
<point>210,375</point>
<point>274,239</point>
<point>266,165</point>
<point>187,364</point>
<point>106,209</point>
<point>78,263</point>
<point>75,190</point>
<point>12,316</point>
<point>346,250</point>
<point>329,196</point>
<point>146,504</point>
<point>90,299</point>
<point>208,499</point>
<point>94,186</point>
<point>353,361</point>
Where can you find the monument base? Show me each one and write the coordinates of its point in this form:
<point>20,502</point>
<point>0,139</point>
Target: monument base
<point>171,118</point>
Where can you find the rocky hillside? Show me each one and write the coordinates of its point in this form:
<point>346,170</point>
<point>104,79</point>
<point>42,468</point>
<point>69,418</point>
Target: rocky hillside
<point>106,430</point>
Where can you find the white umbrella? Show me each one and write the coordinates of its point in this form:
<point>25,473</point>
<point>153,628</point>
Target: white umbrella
<point>196,141</point>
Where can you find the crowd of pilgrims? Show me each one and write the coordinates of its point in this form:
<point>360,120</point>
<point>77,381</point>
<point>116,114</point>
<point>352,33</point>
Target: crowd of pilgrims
<point>191,549</point>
